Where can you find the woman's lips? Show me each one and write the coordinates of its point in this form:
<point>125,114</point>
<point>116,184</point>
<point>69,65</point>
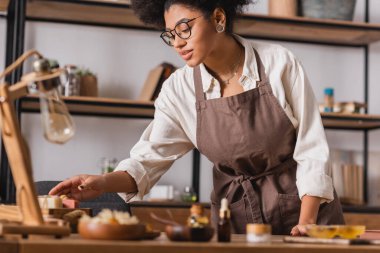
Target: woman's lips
<point>186,55</point>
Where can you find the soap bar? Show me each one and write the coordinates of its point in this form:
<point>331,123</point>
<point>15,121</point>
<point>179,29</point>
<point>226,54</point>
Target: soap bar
<point>69,203</point>
<point>47,201</point>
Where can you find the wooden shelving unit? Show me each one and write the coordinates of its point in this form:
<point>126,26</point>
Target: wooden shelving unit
<point>118,14</point>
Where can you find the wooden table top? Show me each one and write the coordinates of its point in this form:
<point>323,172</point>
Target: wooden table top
<point>74,244</point>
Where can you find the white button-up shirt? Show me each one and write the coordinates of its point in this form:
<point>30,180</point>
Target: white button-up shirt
<point>172,133</point>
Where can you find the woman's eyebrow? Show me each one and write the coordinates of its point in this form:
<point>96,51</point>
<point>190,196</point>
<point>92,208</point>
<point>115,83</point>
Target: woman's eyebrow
<point>178,22</point>
<point>181,20</point>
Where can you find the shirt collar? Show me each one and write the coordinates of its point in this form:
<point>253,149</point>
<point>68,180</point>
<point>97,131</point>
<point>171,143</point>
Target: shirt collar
<point>249,68</point>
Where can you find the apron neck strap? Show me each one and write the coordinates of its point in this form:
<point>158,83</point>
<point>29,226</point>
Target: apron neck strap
<point>200,95</point>
<point>260,67</point>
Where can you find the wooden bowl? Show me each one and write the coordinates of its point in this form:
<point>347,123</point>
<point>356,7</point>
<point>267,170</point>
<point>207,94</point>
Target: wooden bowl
<point>90,230</point>
<point>203,234</point>
<point>185,233</point>
<point>177,233</point>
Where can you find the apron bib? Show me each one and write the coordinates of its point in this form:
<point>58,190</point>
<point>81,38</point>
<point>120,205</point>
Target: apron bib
<point>250,140</point>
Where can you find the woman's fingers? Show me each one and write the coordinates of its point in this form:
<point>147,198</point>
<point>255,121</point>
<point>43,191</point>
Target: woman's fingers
<point>295,231</point>
<point>81,187</point>
<point>66,186</point>
<point>298,230</point>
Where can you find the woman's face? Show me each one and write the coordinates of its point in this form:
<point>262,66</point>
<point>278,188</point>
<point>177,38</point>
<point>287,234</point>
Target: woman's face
<point>200,44</point>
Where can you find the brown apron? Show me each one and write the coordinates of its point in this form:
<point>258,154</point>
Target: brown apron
<point>251,141</point>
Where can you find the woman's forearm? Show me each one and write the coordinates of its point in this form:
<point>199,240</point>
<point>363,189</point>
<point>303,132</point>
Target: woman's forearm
<point>309,210</point>
<point>119,181</point>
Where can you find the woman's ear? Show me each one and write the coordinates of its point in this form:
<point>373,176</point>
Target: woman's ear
<point>219,18</point>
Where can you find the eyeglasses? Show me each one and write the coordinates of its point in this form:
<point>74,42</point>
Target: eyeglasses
<point>182,29</point>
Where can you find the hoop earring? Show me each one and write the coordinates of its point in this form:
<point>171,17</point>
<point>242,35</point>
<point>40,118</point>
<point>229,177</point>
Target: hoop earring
<point>219,28</point>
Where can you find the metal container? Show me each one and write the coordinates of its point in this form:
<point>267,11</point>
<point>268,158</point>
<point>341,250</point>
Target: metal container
<point>328,9</point>
<point>71,86</point>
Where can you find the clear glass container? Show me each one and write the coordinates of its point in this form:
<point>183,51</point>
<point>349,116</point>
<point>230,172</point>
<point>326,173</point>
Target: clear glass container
<point>329,100</point>
<point>189,195</point>
<point>259,233</point>
<point>71,86</point>
<point>108,165</point>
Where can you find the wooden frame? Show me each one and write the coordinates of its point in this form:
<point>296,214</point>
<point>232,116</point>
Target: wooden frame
<point>26,217</point>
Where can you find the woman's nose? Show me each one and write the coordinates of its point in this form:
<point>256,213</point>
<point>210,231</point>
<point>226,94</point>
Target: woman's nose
<point>178,42</point>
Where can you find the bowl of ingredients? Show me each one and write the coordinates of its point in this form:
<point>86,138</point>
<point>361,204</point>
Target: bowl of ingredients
<point>333,231</point>
<point>111,225</point>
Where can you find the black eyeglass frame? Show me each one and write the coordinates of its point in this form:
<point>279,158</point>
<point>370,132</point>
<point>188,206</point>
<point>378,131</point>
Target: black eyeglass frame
<point>174,30</point>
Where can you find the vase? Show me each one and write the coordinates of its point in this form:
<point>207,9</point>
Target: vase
<point>283,8</point>
<point>89,86</point>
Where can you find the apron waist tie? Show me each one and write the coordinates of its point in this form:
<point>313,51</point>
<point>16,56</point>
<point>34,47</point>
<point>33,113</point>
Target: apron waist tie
<point>251,194</point>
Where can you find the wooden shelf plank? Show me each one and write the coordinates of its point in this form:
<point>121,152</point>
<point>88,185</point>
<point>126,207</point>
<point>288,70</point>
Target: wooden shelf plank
<point>96,106</point>
<point>350,121</point>
<point>84,12</point>
<point>308,30</point>
<point>351,116</point>
<point>121,2</point>
<point>4,5</point>
<point>111,107</point>
<point>118,14</point>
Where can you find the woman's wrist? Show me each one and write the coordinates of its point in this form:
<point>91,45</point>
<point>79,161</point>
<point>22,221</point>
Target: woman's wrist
<point>309,210</point>
<point>119,181</point>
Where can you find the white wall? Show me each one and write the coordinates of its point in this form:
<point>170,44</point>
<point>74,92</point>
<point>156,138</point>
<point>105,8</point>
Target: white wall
<point>122,59</point>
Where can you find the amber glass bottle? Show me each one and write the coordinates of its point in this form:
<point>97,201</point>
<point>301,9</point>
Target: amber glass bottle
<point>224,224</point>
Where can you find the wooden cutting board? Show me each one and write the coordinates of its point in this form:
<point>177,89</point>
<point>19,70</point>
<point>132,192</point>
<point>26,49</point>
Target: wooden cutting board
<point>293,239</point>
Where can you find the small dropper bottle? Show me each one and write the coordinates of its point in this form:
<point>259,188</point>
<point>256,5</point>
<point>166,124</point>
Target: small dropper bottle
<point>224,224</point>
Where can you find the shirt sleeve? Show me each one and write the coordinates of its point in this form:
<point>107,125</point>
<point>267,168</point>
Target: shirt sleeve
<point>163,142</point>
<point>311,151</point>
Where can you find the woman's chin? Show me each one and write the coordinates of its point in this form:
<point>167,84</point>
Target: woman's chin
<point>192,63</point>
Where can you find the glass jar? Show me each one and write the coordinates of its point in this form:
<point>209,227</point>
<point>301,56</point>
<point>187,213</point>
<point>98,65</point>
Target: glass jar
<point>189,195</point>
<point>108,165</point>
<point>71,86</point>
<point>259,233</point>
<point>329,100</point>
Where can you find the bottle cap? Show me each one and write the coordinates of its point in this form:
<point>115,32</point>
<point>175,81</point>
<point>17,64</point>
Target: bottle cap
<point>259,229</point>
<point>224,210</point>
<point>329,91</point>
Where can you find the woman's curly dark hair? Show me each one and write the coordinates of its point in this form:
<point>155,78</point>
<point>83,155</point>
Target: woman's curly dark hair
<point>151,12</point>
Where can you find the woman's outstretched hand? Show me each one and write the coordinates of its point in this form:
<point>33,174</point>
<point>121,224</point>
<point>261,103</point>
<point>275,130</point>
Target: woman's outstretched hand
<point>81,187</point>
<point>298,230</point>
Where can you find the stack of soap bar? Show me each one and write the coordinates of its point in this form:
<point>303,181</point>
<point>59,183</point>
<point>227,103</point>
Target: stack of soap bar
<point>47,202</point>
